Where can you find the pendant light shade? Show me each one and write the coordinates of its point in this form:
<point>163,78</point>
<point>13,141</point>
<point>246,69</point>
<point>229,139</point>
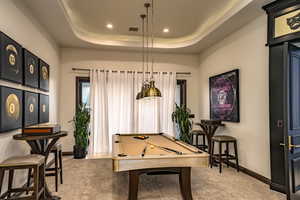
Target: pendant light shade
<point>153,91</point>
<point>139,95</point>
<point>146,87</point>
<point>143,92</point>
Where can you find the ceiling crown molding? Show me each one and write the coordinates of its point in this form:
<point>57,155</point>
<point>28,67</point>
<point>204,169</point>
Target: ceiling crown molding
<point>203,30</point>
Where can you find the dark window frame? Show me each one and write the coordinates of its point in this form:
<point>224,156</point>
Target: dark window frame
<point>182,84</point>
<point>79,81</point>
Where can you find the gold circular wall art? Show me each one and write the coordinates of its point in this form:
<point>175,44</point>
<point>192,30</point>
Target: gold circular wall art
<point>13,106</point>
<point>45,73</point>
<point>31,102</point>
<point>31,108</point>
<point>44,108</point>
<point>31,68</point>
<point>12,57</point>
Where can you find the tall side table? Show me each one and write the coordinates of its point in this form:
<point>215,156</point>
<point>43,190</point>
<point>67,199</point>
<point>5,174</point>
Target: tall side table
<point>209,128</point>
<point>42,145</point>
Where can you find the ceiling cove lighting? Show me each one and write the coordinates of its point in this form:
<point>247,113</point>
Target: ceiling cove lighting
<point>166,30</point>
<point>109,26</point>
<point>148,87</point>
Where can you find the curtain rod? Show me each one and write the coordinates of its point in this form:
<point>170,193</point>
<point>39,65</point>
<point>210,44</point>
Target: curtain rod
<point>178,73</point>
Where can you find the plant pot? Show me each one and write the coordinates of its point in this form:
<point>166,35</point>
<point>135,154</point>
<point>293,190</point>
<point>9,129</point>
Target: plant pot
<point>79,152</point>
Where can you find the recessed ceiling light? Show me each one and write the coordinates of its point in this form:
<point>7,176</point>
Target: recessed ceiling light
<point>109,26</point>
<point>166,30</point>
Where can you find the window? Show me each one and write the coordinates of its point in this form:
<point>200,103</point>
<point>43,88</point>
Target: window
<point>82,91</point>
<point>180,97</point>
<point>180,94</point>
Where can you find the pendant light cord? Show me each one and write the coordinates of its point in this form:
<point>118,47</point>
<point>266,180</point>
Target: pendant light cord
<point>143,31</point>
<point>147,5</point>
<point>152,38</point>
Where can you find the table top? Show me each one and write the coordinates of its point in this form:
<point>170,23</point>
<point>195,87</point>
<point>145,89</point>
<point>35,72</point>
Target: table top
<point>21,136</point>
<point>208,124</point>
<point>161,151</point>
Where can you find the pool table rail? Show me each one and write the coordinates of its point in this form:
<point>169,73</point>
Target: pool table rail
<point>122,162</point>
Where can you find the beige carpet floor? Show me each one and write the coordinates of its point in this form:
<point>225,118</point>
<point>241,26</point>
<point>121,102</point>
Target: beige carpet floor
<point>94,180</point>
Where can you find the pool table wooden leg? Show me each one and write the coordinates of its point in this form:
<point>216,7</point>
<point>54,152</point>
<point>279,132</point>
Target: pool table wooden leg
<point>185,183</point>
<point>133,184</point>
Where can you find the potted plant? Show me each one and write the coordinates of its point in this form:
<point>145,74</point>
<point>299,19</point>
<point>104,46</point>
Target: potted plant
<point>181,116</point>
<point>81,122</point>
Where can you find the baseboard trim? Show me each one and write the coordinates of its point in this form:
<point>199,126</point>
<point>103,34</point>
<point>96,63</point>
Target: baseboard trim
<point>67,153</point>
<point>277,187</point>
<point>252,174</point>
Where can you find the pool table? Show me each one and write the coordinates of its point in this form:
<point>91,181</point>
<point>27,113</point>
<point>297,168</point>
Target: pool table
<point>156,154</point>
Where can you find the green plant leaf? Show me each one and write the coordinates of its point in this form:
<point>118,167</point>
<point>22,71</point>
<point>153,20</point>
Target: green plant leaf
<point>181,117</point>
<point>81,122</point>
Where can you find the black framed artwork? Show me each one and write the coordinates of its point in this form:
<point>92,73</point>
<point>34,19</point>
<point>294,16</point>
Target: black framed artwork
<point>44,76</point>
<point>43,108</point>
<point>11,59</point>
<point>11,109</point>
<point>31,69</point>
<point>224,96</point>
<point>30,109</point>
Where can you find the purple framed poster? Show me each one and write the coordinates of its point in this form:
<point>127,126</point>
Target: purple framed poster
<point>224,96</point>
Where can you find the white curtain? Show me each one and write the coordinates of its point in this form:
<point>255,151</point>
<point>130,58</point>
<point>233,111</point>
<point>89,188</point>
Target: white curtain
<point>114,108</point>
<point>167,85</point>
<point>155,113</point>
<point>120,103</point>
<point>148,118</point>
<point>99,139</point>
<point>138,81</point>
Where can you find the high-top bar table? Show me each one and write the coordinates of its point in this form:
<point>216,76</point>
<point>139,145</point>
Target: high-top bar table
<point>210,127</point>
<point>42,145</point>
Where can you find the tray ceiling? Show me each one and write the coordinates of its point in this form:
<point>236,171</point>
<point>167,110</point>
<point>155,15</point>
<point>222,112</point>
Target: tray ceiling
<point>191,23</point>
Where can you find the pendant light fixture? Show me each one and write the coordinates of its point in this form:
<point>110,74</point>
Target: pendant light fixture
<point>140,94</point>
<point>148,87</point>
<point>152,91</point>
<point>146,80</point>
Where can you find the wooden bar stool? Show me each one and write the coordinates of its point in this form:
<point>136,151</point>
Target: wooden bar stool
<point>195,134</point>
<point>223,139</point>
<point>34,162</point>
<point>57,169</point>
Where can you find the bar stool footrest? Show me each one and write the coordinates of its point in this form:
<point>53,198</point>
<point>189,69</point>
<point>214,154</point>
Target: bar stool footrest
<point>224,156</point>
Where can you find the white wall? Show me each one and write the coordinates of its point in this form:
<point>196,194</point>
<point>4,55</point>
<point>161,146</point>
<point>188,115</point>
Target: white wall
<point>16,21</point>
<point>84,58</point>
<point>245,49</point>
